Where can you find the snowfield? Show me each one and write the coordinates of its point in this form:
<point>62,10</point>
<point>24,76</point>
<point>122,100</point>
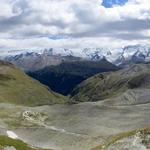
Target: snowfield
<point>12,135</point>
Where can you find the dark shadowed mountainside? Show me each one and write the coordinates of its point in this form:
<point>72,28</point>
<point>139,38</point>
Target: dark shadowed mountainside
<point>64,77</point>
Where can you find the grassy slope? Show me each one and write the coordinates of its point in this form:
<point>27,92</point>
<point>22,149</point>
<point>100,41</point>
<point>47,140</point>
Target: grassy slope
<point>17,88</point>
<point>107,85</point>
<point>18,144</point>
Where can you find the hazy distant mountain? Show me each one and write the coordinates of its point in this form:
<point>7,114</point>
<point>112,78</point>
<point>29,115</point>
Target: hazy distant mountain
<point>31,61</point>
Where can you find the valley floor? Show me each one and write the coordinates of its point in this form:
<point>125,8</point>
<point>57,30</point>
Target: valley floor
<point>71,127</point>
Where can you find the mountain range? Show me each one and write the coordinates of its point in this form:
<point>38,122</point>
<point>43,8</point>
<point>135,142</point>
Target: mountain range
<point>106,106</point>
<point>31,60</point>
<point>63,66</point>
<point>114,112</point>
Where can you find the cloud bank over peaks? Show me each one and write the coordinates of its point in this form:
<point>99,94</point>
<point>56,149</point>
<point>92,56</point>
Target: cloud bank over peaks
<point>75,23</point>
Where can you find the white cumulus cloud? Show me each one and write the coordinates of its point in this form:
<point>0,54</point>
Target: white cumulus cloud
<point>72,23</point>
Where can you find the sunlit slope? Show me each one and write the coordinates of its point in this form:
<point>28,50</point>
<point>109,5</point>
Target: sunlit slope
<point>17,88</point>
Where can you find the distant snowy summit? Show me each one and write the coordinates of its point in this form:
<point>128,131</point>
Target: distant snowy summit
<point>121,56</point>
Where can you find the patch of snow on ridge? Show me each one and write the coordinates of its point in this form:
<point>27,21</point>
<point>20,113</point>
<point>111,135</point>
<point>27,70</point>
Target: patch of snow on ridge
<point>12,135</point>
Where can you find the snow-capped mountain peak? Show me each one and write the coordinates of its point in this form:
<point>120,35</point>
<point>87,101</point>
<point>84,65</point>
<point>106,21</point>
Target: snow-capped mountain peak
<point>120,56</point>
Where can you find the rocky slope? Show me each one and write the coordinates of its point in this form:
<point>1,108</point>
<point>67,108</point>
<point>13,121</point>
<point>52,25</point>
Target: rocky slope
<point>133,140</point>
<point>127,86</point>
<point>18,88</point>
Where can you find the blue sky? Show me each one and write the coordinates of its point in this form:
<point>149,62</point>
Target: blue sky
<point>110,3</point>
